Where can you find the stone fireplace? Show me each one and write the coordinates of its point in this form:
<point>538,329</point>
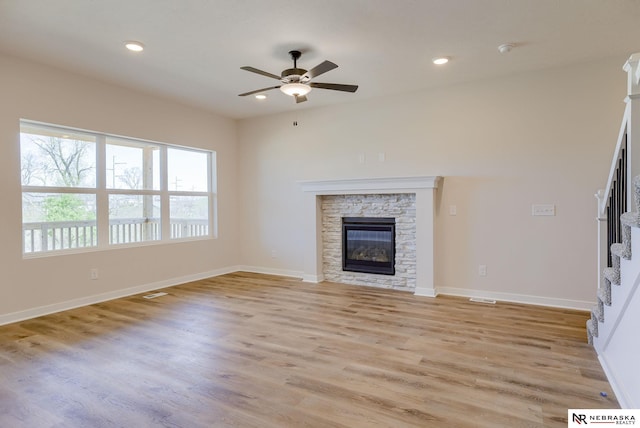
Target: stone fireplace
<point>409,200</point>
<point>363,210</point>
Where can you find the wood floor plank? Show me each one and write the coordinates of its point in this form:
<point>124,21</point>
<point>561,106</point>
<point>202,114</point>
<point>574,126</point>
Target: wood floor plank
<point>250,350</point>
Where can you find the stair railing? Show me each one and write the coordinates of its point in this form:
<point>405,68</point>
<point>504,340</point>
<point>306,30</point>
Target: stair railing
<point>615,199</point>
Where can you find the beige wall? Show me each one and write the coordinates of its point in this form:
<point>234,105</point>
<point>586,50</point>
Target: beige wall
<point>502,145</point>
<point>40,93</point>
<point>544,137</point>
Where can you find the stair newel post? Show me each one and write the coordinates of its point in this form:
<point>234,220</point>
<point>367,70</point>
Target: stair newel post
<point>632,67</point>
<point>601,219</point>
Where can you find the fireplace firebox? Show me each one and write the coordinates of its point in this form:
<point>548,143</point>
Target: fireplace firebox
<point>368,245</point>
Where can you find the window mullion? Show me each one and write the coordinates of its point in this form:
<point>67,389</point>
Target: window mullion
<point>102,197</point>
<point>164,196</point>
<point>213,195</point>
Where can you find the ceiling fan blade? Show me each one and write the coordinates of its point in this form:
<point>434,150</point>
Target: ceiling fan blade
<point>318,70</point>
<point>334,86</point>
<point>258,90</point>
<point>264,73</point>
<point>300,98</point>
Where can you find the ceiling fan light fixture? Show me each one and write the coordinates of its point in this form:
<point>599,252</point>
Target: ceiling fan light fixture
<point>441,60</point>
<point>261,97</point>
<point>298,89</point>
<point>134,46</point>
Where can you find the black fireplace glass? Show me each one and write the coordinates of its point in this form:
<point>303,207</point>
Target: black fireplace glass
<point>368,245</point>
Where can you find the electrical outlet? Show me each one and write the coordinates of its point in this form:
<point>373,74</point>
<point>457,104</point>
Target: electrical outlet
<point>93,274</point>
<point>381,157</point>
<point>482,270</point>
<point>453,210</point>
<point>361,158</point>
<point>274,254</point>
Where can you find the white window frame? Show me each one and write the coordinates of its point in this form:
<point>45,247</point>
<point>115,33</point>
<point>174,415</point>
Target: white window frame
<point>102,193</point>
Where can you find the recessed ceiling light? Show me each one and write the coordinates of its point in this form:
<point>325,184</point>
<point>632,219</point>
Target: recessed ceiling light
<point>261,97</point>
<point>134,46</point>
<point>441,60</point>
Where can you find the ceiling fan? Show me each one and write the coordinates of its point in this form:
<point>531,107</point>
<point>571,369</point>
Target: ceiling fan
<point>296,82</point>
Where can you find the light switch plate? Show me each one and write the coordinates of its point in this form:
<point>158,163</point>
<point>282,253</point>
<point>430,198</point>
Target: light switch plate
<point>543,210</point>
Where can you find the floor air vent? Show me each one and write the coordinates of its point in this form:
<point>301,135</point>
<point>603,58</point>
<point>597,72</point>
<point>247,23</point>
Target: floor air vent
<point>481,300</point>
<point>154,295</point>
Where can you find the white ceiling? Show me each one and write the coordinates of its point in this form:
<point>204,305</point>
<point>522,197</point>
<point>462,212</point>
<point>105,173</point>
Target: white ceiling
<point>195,48</point>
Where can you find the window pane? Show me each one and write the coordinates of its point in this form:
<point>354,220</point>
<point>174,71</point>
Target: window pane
<point>134,218</point>
<point>187,170</point>
<point>55,158</point>
<point>58,221</point>
<point>132,165</point>
<point>189,216</point>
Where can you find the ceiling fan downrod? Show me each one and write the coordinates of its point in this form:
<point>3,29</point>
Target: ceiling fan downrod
<point>295,55</point>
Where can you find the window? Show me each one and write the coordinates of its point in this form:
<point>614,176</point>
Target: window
<point>85,190</point>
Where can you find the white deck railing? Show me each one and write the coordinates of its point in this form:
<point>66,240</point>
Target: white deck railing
<point>62,235</point>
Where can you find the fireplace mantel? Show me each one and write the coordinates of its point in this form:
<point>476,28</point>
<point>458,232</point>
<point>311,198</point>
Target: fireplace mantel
<point>424,187</point>
<point>369,185</point>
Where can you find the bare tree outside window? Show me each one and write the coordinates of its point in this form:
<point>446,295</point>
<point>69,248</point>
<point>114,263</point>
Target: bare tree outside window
<point>58,162</point>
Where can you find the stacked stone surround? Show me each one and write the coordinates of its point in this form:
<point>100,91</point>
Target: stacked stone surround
<point>401,206</point>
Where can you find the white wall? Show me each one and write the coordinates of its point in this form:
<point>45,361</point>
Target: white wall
<point>502,145</point>
<point>41,93</point>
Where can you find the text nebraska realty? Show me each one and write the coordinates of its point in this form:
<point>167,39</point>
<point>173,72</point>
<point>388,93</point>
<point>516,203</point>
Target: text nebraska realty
<point>605,419</point>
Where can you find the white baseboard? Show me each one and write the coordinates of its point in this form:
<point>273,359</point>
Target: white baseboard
<point>103,297</point>
<point>315,279</point>
<point>270,271</point>
<point>621,395</point>
<point>426,292</point>
<point>517,298</point>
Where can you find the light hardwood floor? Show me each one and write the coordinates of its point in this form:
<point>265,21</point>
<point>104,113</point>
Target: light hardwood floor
<point>249,350</point>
